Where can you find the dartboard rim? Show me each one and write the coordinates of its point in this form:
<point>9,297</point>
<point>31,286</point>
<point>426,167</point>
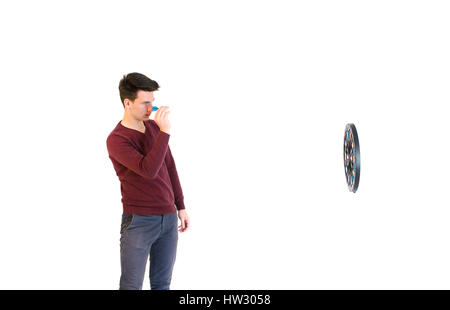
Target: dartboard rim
<point>353,188</point>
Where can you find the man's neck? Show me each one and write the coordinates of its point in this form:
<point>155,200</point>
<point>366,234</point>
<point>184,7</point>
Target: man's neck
<point>132,123</point>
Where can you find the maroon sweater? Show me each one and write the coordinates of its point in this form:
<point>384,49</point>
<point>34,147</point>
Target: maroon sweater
<point>146,169</point>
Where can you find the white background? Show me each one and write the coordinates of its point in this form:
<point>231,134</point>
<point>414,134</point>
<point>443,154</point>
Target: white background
<point>260,93</point>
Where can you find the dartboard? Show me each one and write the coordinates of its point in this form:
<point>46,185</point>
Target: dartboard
<point>352,160</point>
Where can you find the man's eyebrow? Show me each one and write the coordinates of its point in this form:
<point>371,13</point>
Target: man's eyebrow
<point>147,101</point>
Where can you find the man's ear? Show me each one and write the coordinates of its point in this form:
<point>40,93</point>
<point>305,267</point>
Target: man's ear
<point>126,103</point>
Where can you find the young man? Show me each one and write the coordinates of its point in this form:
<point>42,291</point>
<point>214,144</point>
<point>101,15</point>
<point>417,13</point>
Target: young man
<point>151,191</point>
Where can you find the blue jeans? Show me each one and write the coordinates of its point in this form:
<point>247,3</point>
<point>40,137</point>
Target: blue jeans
<point>144,235</point>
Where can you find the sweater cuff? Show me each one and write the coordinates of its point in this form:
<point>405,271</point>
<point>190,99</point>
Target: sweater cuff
<point>180,205</point>
<point>163,139</point>
<point>164,133</point>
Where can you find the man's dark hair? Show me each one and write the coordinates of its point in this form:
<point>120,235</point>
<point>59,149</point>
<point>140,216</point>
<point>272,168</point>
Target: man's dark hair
<point>132,82</point>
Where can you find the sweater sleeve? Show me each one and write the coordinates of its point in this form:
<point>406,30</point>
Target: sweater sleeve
<point>177,191</point>
<point>122,150</point>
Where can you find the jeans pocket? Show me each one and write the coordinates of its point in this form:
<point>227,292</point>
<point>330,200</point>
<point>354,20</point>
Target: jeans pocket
<point>127,219</point>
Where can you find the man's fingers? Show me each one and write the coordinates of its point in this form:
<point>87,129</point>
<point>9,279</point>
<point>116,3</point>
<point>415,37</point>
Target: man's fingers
<point>164,110</point>
<point>184,225</point>
<point>158,112</point>
<point>160,109</point>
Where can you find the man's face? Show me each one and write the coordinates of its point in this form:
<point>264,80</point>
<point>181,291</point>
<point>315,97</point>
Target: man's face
<point>141,108</point>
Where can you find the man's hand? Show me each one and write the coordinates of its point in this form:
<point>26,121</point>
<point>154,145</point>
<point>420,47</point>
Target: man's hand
<point>182,215</point>
<point>161,119</point>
